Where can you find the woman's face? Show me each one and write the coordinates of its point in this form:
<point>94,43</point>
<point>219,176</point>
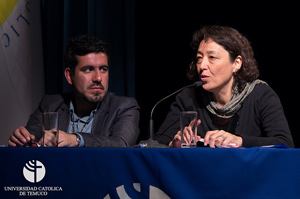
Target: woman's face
<point>215,68</point>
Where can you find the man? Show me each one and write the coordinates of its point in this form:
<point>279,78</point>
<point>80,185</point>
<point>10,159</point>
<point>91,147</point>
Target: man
<point>89,116</point>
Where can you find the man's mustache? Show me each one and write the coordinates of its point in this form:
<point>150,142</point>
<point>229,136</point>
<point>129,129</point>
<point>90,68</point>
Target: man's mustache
<point>96,84</point>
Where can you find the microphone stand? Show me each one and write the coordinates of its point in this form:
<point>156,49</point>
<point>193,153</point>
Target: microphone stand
<point>150,143</point>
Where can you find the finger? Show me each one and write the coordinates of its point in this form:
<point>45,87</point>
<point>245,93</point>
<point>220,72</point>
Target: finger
<point>192,135</point>
<point>49,139</point>
<point>32,137</point>
<point>14,141</point>
<point>219,141</point>
<point>220,137</point>
<point>211,139</point>
<point>227,140</point>
<point>48,143</point>
<point>192,122</point>
<point>178,136</point>
<point>212,143</point>
<point>198,122</point>
<point>41,142</point>
<point>18,138</point>
<point>175,141</point>
<point>188,134</point>
<point>11,144</point>
<point>231,141</point>
<point>185,136</point>
<point>217,138</point>
<point>192,132</point>
<point>61,144</point>
<point>24,133</point>
<point>207,137</point>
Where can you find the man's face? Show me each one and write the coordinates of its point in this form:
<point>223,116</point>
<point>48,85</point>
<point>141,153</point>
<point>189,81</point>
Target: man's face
<point>90,79</point>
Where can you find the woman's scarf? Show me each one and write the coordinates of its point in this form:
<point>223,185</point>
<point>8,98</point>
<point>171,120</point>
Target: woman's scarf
<point>233,106</point>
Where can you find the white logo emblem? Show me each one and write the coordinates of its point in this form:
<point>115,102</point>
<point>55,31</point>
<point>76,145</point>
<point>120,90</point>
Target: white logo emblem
<point>154,192</point>
<point>34,171</point>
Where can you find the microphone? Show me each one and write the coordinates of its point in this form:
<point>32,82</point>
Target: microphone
<point>153,143</point>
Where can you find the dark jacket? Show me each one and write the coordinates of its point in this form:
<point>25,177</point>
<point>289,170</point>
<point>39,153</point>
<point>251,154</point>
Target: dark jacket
<point>260,121</point>
<point>115,123</point>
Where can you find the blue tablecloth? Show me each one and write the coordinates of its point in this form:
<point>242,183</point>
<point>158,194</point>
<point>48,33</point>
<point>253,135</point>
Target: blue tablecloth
<point>149,173</point>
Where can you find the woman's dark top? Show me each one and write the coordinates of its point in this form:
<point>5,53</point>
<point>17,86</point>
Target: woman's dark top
<point>260,121</point>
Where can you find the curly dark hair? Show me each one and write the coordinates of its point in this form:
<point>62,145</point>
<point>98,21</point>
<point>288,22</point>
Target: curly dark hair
<point>235,44</point>
<point>82,45</point>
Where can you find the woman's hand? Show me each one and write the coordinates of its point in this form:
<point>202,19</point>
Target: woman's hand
<point>188,136</point>
<point>220,138</point>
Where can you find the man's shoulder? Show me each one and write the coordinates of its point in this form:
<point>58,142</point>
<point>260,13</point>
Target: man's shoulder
<point>117,101</point>
<point>56,100</point>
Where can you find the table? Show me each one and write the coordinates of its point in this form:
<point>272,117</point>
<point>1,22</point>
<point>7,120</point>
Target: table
<point>149,173</point>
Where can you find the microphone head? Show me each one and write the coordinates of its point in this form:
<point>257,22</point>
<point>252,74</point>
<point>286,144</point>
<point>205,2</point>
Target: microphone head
<point>198,84</point>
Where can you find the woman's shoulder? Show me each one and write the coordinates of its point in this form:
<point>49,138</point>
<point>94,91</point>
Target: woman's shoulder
<point>263,94</point>
<point>263,90</point>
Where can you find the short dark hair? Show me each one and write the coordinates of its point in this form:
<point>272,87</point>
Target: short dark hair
<point>235,44</point>
<point>82,45</point>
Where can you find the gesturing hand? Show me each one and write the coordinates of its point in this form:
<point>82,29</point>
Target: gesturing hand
<point>188,136</point>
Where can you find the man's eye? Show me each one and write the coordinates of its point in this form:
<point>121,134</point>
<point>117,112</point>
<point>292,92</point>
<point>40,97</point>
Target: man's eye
<point>104,69</point>
<point>87,70</point>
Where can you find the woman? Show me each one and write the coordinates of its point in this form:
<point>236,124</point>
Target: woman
<point>235,109</point>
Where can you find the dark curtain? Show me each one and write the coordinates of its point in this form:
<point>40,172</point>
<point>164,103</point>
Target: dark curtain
<point>111,21</point>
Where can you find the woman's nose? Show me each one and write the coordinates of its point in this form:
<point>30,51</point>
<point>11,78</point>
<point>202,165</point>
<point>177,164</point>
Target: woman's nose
<point>203,65</point>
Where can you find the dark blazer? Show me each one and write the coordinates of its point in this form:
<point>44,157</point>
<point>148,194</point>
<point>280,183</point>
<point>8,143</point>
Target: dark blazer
<point>260,121</point>
<point>115,124</point>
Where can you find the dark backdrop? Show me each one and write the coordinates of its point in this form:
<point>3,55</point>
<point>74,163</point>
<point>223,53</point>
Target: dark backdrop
<point>111,21</point>
<point>150,45</point>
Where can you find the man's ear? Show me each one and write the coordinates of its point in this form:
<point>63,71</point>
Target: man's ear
<point>68,75</point>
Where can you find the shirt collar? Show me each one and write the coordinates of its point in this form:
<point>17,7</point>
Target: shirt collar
<point>74,115</point>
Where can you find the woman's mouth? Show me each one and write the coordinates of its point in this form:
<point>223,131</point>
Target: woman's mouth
<point>204,78</point>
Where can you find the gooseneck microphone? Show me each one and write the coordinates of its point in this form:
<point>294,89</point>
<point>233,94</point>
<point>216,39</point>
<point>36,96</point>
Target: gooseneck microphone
<point>150,143</point>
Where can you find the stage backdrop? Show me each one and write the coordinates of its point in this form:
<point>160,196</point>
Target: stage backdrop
<point>21,63</point>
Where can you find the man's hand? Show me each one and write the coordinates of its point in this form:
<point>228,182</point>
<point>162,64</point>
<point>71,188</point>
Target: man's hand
<point>67,140</point>
<point>20,137</point>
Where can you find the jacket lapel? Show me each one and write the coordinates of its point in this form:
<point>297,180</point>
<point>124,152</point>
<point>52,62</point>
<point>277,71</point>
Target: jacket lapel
<point>101,116</point>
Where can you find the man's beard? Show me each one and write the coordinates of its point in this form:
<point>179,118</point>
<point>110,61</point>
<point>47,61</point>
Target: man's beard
<point>95,98</point>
